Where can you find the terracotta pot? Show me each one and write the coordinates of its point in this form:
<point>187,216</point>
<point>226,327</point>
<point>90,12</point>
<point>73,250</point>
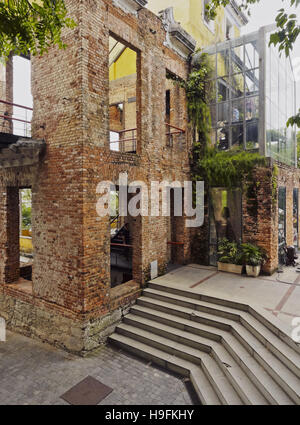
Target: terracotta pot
<point>253,271</point>
<point>230,268</point>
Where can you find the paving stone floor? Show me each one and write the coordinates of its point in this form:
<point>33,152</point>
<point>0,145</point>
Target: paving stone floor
<point>36,373</point>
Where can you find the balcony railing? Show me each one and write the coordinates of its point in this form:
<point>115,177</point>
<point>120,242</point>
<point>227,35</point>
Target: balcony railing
<point>126,140</point>
<point>16,119</point>
<point>171,132</point>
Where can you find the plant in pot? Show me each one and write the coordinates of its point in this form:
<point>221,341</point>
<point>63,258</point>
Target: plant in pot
<point>230,257</point>
<point>254,257</point>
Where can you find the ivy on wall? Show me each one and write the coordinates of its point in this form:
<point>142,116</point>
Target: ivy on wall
<point>228,169</point>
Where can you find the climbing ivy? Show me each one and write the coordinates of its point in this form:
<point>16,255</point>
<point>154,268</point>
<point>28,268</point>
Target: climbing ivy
<point>199,93</point>
<point>227,169</point>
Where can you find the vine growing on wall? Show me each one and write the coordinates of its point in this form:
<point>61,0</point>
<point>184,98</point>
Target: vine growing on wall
<point>217,168</point>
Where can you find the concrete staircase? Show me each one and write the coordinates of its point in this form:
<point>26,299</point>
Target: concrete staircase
<point>233,353</point>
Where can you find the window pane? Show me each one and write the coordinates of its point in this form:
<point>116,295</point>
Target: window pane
<point>237,83</point>
<point>252,134</point>
<point>223,89</point>
<point>237,59</point>
<point>223,63</point>
<point>237,110</point>
<point>237,134</point>
<point>223,113</point>
<point>251,55</point>
<point>223,138</point>
<point>252,82</point>
<point>252,107</point>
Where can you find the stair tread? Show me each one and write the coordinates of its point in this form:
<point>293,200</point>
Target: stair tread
<point>271,323</point>
<point>194,301</point>
<point>284,349</point>
<point>202,386</point>
<point>288,352</point>
<point>270,386</point>
<point>255,324</point>
<point>276,365</point>
<point>209,363</point>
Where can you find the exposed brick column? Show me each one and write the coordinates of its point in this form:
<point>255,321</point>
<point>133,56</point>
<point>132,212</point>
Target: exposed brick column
<point>9,235</point>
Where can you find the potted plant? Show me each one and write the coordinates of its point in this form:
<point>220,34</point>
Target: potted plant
<point>254,257</point>
<point>230,257</point>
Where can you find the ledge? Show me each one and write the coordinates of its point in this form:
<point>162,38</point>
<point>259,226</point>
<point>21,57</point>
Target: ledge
<point>130,6</point>
<point>177,38</point>
<point>21,152</point>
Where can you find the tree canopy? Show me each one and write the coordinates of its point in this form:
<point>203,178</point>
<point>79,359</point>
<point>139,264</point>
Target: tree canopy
<point>31,26</point>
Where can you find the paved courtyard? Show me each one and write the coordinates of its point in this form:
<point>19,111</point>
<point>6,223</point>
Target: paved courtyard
<point>36,373</point>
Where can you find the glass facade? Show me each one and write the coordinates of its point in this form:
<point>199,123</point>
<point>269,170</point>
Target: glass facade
<point>254,97</point>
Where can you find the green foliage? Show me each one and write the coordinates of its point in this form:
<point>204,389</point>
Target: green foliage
<point>288,29</point>
<point>226,169</point>
<point>294,120</point>
<point>26,196</point>
<point>229,252</point>
<point>253,255</point>
<point>26,217</point>
<point>32,26</point>
<point>199,94</point>
<point>241,254</point>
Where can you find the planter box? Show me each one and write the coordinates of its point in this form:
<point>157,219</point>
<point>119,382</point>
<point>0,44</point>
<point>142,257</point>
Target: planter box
<point>230,268</point>
<point>253,271</point>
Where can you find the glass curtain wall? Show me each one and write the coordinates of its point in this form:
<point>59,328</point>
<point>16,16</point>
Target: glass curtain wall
<point>254,97</point>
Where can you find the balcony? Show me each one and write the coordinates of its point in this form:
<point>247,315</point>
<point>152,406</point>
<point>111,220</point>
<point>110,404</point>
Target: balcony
<point>126,140</point>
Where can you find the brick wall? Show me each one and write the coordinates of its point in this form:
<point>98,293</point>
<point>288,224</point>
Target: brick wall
<point>71,270</point>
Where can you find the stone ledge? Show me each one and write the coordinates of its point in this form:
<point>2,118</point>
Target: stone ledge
<point>177,38</point>
<point>130,6</point>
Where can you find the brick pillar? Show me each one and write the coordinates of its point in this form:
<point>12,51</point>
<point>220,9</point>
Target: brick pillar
<point>10,233</point>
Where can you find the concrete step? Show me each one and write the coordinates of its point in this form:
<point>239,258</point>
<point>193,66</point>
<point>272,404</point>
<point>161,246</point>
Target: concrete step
<point>288,357</point>
<point>184,312</point>
<point>202,386</point>
<point>278,371</point>
<point>269,321</point>
<point>279,348</point>
<point>191,303</point>
<point>224,384</point>
<point>231,364</point>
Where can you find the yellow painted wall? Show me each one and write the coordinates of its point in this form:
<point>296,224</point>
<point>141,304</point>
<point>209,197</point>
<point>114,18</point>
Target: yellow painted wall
<point>26,245</point>
<point>124,66</point>
<point>190,14</point>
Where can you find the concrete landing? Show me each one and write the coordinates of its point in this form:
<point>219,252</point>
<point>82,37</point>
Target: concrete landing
<point>278,294</point>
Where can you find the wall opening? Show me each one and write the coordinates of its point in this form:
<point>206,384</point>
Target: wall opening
<point>26,245</point>
<point>22,97</point>
<point>225,219</point>
<point>121,252</point>
<point>122,96</point>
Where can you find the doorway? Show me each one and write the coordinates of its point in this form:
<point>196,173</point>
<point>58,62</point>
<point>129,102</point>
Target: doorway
<point>225,219</point>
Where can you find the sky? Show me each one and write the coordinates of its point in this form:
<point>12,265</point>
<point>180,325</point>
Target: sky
<point>264,13</point>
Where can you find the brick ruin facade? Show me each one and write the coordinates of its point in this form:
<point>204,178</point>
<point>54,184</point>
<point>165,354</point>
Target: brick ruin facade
<point>71,303</point>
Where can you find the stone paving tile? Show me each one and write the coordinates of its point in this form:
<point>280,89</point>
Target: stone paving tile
<point>35,373</point>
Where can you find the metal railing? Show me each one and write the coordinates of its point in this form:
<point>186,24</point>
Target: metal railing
<point>121,143</point>
<point>16,119</point>
<point>173,131</point>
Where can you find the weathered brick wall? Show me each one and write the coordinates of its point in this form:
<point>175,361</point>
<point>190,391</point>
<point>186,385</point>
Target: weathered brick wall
<point>71,270</point>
